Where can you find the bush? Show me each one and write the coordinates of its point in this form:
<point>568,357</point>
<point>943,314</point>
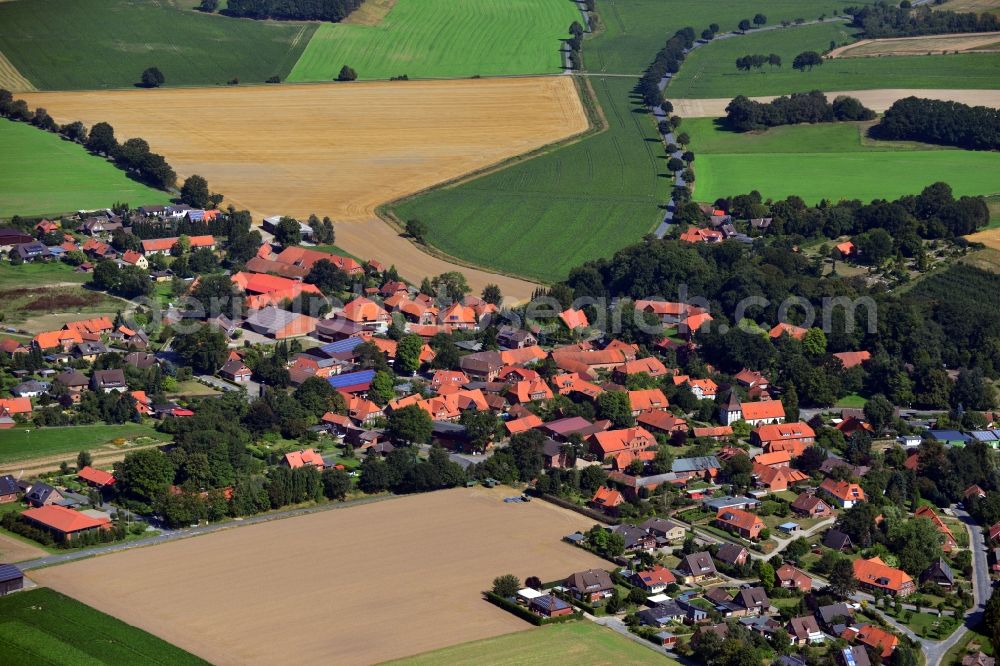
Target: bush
<point>152,77</point>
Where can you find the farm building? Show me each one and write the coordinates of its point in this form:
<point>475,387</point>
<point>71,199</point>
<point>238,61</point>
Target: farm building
<point>11,579</point>
<point>65,523</point>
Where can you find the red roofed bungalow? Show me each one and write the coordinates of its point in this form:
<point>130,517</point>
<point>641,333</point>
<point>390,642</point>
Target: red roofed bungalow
<point>143,405</point>
<point>574,319</point>
<point>64,523</point>
<point>851,359</point>
<point>607,499</point>
<point>523,424</point>
<point>846,249</point>
<point>878,639</point>
<point>796,332</point>
<point>307,457</point>
<point>96,477</point>
<point>747,525</point>
<point>647,400</point>
<point>530,391</point>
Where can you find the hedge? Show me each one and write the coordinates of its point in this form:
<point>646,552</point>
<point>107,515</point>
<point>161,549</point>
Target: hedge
<point>527,615</point>
<point>590,513</point>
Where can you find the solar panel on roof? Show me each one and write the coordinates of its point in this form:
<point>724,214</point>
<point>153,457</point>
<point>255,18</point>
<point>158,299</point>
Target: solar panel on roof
<point>341,346</point>
<point>351,378</point>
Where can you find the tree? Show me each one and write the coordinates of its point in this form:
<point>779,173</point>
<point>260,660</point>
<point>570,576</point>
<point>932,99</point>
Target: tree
<point>102,139</point>
<point>317,397</point>
<point>796,549</point>
<point>744,25</point>
<point>374,475</point>
<point>492,295</point>
<point>144,474</point>
<point>874,246</point>
<point>204,350</point>
<point>288,231</point>
<point>759,20</point>
<point>991,619</point>
<point>774,60</point>
<point>765,572</point>
<point>506,586</point>
<point>917,543</point>
<point>592,478</point>
<point>383,388</point>
<point>328,278</point>
<point>806,60</point>
<point>208,6</point>
<point>481,427</point>
<point>814,342</point>
<point>152,77</point>
<point>526,449</point>
<point>83,459</point>
<point>842,580</point>
<point>615,406</point>
<point>408,354</point>
<point>879,412</point>
<point>336,483</point>
<point>347,74</point>
<point>195,192</point>
<point>416,230</point>
<point>410,425</point>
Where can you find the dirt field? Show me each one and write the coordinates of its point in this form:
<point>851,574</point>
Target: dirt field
<point>877,100</point>
<point>354,586</point>
<point>339,150</point>
<point>926,45</point>
<point>12,550</point>
<point>976,6</point>
<point>989,237</point>
<point>370,13</point>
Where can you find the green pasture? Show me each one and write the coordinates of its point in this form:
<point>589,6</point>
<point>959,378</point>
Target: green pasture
<point>24,443</point>
<point>710,71</point>
<point>93,44</point>
<point>41,173</point>
<point>42,626</point>
<point>444,38</point>
<point>828,161</point>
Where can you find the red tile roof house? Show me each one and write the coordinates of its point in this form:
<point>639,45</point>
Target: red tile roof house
<point>878,639</point>
<point>874,574</point>
<point>647,400</point>
<point>607,500</point>
<point>304,458</point>
<point>796,332</point>
<point>949,543</point>
<point>744,523</point>
<point>811,506</point>
<point>164,245</point>
<point>664,422</point>
<point>573,319</point>
<point>612,442</point>
<point>777,479</point>
<point>791,437</point>
<point>96,477</point>
<point>651,366</point>
<point>793,579</point>
<point>654,580</point>
<point>805,630</point>
<point>590,586</point>
<point>845,494</point>
<point>64,523</point>
<point>754,413</point>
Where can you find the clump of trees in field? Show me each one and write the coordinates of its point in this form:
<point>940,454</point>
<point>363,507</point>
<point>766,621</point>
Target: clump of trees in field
<point>296,10</point>
<point>744,114</point>
<point>133,156</point>
<point>347,74</point>
<point>807,60</point>
<point>757,60</point>
<point>946,123</point>
<point>152,77</point>
<point>885,20</point>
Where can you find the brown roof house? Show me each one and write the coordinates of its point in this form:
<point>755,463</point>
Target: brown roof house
<point>590,586</point>
<point>697,567</point>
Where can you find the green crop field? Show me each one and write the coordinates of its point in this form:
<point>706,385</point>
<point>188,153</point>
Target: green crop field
<point>579,643</point>
<point>828,161</point>
<point>84,44</point>
<point>444,38</point>
<point>42,174</point>
<point>542,216</point>
<point>21,443</point>
<point>710,71</point>
<point>41,626</point>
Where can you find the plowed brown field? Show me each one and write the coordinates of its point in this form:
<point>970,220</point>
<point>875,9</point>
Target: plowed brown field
<point>354,586</point>
<point>923,45</point>
<point>339,149</point>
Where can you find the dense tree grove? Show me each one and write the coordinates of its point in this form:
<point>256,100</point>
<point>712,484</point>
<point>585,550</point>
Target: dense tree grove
<point>667,60</point>
<point>885,20</point>
<point>298,10</point>
<point>946,123</point>
<point>744,114</point>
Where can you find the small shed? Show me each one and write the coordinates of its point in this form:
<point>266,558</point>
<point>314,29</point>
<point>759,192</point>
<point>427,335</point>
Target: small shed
<point>789,527</point>
<point>11,579</point>
<point>666,639</point>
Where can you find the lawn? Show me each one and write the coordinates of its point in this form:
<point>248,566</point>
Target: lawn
<point>43,174</point>
<point>38,275</point>
<point>827,161</point>
<point>67,44</point>
<point>444,38</point>
<point>48,308</point>
<point>41,626</point>
<point>710,71</point>
<point>540,217</point>
<point>852,401</point>
<point>580,643</point>
<point>20,443</point>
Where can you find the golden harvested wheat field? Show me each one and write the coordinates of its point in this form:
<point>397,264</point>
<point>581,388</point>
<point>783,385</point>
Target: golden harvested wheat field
<point>339,149</point>
<point>353,586</point>
<point>928,44</point>
<point>877,100</point>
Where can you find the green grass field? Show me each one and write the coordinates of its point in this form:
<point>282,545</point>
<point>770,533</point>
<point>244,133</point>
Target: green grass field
<point>38,275</point>
<point>43,174</point>
<point>710,71</point>
<point>41,626</point>
<point>828,161</point>
<point>21,443</point>
<point>579,643</point>
<point>70,44</point>
<point>541,217</point>
<point>444,38</point>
